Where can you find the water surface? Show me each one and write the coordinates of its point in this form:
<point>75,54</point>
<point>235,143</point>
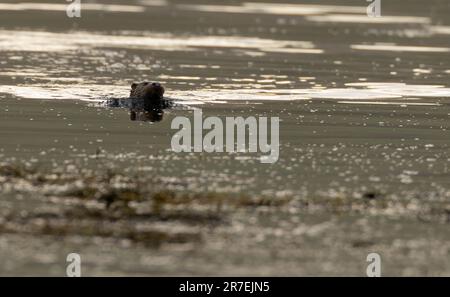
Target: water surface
<point>364,105</point>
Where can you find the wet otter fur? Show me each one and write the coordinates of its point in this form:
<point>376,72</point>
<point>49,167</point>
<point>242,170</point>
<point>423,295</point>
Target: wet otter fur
<point>146,101</point>
<point>151,93</point>
<point>151,96</point>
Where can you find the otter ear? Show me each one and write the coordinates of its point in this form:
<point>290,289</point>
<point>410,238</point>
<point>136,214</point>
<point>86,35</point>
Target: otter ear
<point>133,86</point>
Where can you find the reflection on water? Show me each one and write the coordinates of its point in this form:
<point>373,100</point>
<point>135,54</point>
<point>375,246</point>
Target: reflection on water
<point>400,48</point>
<point>86,6</point>
<point>276,9</point>
<point>349,18</point>
<point>403,104</point>
<point>147,115</point>
<point>58,91</point>
<point>46,41</point>
<point>354,91</point>
<point>152,115</point>
<point>445,30</point>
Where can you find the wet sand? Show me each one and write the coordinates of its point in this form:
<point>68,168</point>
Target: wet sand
<point>364,140</point>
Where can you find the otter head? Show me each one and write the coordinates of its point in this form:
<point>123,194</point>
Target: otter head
<point>152,92</point>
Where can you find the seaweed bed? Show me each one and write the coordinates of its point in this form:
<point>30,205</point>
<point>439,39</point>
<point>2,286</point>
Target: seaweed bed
<point>154,216</point>
<point>152,211</point>
<point>110,204</point>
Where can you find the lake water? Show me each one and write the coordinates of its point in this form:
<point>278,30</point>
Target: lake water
<point>364,153</point>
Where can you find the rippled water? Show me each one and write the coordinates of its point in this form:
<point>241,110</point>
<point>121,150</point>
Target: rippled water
<point>364,105</point>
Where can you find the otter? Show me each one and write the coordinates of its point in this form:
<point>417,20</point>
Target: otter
<point>150,93</point>
<point>146,101</point>
<point>149,103</point>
